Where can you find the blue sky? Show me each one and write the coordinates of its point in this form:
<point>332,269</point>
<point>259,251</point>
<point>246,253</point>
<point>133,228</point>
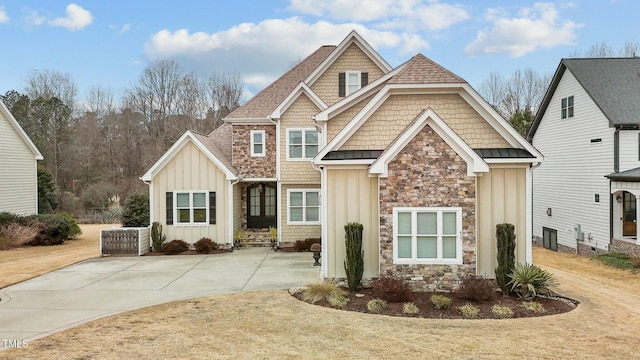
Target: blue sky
<point>109,43</point>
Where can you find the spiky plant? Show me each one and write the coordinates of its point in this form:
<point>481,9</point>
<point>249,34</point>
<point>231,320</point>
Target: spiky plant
<point>528,280</point>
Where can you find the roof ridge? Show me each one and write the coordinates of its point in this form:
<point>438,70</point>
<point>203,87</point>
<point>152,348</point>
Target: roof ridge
<point>422,70</point>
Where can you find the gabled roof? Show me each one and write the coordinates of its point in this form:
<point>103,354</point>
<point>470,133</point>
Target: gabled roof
<point>205,144</point>
<point>612,83</point>
<point>422,70</point>
<point>475,164</point>
<point>267,100</point>
<point>20,131</point>
<point>302,88</point>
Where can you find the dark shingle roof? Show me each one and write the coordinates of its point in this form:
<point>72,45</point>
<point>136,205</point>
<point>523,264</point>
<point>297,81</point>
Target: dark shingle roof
<point>352,154</point>
<point>632,175</point>
<point>422,70</point>
<point>503,153</point>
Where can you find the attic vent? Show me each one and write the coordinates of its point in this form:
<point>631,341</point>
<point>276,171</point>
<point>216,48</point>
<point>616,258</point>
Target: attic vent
<point>595,141</point>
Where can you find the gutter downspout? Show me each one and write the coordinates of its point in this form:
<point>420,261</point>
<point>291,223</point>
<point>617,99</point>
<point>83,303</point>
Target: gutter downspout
<point>151,213</point>
<point>230,210</point>
<point>278,184</point>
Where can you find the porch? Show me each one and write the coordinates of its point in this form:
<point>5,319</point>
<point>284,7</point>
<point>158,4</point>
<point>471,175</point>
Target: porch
<point>255,222</point>
<point>625,206</point>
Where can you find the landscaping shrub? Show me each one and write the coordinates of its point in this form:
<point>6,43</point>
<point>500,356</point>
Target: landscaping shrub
<point>175,247</point>
<point>469,311</point>
<point>75,229</point>
<point>54,229</point>
<point>635,260</point>
<point>322,291</point>
<point>410,308</point>
<point>502,311</point>
<point>13,234</point>
<point>135,212</point>
<point>616,260</point>
<point>528,280</point>
<point>205,246</point>
<point>506,238</point>
<point>477,288</point>
<point>7,218</point>
<point>533,306</point>
<point>392,289</point>
<point>376,306</point>
<point>339,301</point>
<point>354,263</point>
<point>305,245</point>
<point>440,301</point>
<point>157,237</point>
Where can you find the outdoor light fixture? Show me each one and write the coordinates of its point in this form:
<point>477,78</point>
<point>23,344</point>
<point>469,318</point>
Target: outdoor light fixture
<point>549,211</point>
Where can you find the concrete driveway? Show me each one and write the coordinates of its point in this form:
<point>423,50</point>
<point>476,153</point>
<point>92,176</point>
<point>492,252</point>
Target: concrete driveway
<point>105,286</point>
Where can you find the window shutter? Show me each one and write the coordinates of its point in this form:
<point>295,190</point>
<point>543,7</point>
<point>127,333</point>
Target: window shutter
<point>212,207</point>
<point>169,208</point>
<point>364,79</point>
<point>342,83</point>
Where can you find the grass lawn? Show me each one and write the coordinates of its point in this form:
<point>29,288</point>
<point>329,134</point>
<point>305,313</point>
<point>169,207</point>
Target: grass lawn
<point>24,263</point>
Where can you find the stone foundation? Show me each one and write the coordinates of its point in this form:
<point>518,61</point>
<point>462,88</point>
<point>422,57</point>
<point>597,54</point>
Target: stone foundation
<point>588,250</point>
<point>625,247</point>
<point>566,249</point>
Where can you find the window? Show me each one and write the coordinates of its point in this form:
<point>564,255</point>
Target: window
<point>303,207</point>
<point>596,141</point>
<point>596,198</point>
<point>427,235</point>
<point>567,107</point>
<point>191,208</point>
<point>351,81</point>
<point>257,143</point>
<point>302,144</point>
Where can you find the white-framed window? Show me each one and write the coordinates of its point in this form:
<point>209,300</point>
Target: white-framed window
<point>303,206</point>
<point>596,198</point>
<point>302,144</point>
<point>427,235</point>
<point>258,143</point>
<point>566,110</point>
<point>352,80</point>
<point>191,208</point>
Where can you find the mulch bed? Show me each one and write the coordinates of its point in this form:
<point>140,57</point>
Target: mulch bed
<point>422,300</point>
<point>188,252</point>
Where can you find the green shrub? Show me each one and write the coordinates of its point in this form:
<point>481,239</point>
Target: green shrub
<point>135,212</point>
<point>175,247</point>
<point>410,308</point>
<point>354,263</point>
<point>305,245</point>
<point>392,289</point>
<point>75,229</point>
<point>635,261</point>
<point>157,237</point>
<point>338,301</point>
<point>616,260</point>
<point>7,218</point>
<point>469,311</point>
<point>322,291</point>
<point>506,238</point>
<point>440,301</point>
<point>477,288</point>
<point>54,229</point>
<point>376,306</point>
<point>502,311</point>
<point>533,306</point>
<point>528,280</point>
<point>205,246</point>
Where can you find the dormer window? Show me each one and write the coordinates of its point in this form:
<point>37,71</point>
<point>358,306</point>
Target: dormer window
<point>567,107</point>
<point>351,81</point>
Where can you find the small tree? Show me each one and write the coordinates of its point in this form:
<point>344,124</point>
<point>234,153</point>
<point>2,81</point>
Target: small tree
<point>354,263</point>
<point>135,212</point>
<point>506,236</point>
<point>47,192</point>
<point>157,237</point>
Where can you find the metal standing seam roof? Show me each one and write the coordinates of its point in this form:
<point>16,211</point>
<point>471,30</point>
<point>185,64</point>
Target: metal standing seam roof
<point>352,155</point>
<point>503,153</point>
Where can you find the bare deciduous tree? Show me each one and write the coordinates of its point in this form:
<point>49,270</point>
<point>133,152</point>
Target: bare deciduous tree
<point>47,84</point>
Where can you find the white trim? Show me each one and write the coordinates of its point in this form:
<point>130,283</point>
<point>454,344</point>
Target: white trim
<point>352,38</point>
<point>247,121</point>
<point>528,213</point>
<point>475,164</point>
<point>230,212</point>
<point>258,180</point>
<point>191,208</point>
<point>175,148</point>
<point>23,135</point>
<point>346,81</point>
<point>509,160</point>
<point>300,183</point>
<point>279,211</point>
<point>593,199</point>
<point>152,218</point>
<point>304,207</point>
<point>324,230</point>
<point>303,144</point>
<point>263,143</point>
<point>431,261</point>
<point>345,162</point>
<point>302,88</point>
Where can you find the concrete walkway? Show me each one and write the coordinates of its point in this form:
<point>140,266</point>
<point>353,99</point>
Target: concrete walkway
<point>101,287</point>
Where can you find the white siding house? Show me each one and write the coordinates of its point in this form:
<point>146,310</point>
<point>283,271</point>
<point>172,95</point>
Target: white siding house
<point>18,169</point>
<point>584,137</point>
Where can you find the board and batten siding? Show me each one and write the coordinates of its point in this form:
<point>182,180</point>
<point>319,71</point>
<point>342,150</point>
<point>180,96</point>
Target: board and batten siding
<point>501,199</point>
<point>190,169</point>
<point>352,196</point>
<point>18,172</point>
<point>573,169</point>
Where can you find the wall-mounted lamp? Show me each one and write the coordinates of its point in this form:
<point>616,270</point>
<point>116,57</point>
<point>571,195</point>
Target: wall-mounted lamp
<point>548,211</point>
<point>619,198</point>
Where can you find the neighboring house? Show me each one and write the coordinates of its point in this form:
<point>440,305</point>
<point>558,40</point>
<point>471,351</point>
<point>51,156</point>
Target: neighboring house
<point>585,194</point>
<point>412,153</point>
<point>18,167</point>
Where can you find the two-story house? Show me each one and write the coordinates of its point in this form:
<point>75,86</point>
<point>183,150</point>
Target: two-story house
<point>413,153</point>
<point>585,194</point>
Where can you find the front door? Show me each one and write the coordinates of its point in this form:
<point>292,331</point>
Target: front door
<point>628,214</point>
<point>261,206</point>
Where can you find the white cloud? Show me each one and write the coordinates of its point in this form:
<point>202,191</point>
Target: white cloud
<point>76,19</point>
<point>33,18</point>
<point>534,28</point>
<point>125,28</point>
<point>3,15</point>
<point>398,14</point>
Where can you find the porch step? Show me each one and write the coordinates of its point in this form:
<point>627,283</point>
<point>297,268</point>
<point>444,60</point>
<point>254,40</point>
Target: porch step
<point>255,238</point>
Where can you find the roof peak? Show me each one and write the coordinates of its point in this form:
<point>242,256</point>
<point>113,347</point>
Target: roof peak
<point>422,70</point>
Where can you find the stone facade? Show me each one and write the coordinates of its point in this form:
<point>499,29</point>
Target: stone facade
<point>625,247</point>
<point>254,166</point>
<point>378,131</point>
<point>428,173</point>
<point>588,250</point>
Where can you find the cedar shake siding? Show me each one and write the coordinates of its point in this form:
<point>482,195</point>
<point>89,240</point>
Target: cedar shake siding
<point>428,173</point>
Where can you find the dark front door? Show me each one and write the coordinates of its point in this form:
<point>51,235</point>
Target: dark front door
<point>550,239</point>
<point>629,214</point>
<point>261,206</point>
